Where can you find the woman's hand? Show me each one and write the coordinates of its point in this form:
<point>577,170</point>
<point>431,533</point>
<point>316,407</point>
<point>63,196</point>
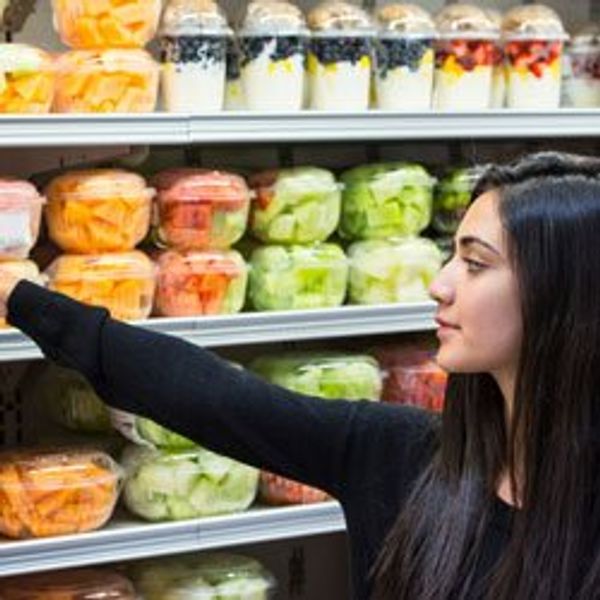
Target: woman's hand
<point>8,282</point>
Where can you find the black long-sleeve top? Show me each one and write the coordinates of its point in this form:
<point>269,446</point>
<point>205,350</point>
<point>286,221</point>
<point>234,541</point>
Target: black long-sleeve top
<point>367,455</point>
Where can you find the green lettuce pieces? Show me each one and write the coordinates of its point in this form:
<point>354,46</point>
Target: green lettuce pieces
<point>164,485</point>
<point>400,270</point>
<point>302,206</point>
<point>298,277</point>
<point>326,375</point>
<point>384,200</point>
<point>215,576</point>
<point>159,436</point>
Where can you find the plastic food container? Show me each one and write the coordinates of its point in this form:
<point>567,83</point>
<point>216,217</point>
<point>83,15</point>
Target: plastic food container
<point>295,206</point>
<point>234,90</point>
<point>298,277</point>
<point>96,24</point>
<point>199,209</point>
<point>20,216</point>
<point>534,37</point>
<point>582,81</point>
<point>123,283</point>
<point>51,492</point>
<point>106,81</point>
<point>102,210</point>
<point>404,58</point>
<point>498,93</point>
<point>279,491</point>
<point>464,58</point>
<point>25,269</point>
<point>27,79</point>
<point>208,282</point>
<point>273,42</point>
<point>385,200</point>
<point>411,376</point>
<point>394,270</point>
<point>453,196</point>
<point>193,37</point>
<point>170,485</point>
<point>214,576</point>
<point>80,584</point>
<point>340,57</point>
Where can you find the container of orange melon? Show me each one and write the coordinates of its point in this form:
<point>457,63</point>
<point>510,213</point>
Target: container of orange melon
<point>106,81</point>
<point>93,24</point>
<point>27,79</point>
<point>24,269</point>
<point>100,210</point>
<point>56,492</point>
<point>123,283</point>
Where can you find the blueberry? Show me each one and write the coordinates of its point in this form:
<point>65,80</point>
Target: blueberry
<point>193,49</point>
<point>333,50</point>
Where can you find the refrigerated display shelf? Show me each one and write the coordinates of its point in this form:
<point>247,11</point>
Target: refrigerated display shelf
<point>125,539</point>
<point>163,128</point>
<point>265,327</point>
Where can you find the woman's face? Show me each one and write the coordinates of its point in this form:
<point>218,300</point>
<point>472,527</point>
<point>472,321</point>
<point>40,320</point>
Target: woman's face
<point>478,315</point>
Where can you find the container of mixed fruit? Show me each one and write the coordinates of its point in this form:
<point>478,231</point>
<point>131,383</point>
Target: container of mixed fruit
<point>582,79</point>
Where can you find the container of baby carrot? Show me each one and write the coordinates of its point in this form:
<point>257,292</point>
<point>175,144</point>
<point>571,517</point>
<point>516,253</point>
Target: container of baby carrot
<point>53,492</point>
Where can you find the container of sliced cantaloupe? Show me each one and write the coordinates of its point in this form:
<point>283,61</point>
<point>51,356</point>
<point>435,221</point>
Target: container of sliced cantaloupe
<point>92,24</point>
<point>121,282</point>
<point>92,81</point>
<point>99,210</point>
<point>27,79</point>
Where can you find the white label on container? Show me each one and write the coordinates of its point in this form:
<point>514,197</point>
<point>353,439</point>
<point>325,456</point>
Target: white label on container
<point>15,230</point>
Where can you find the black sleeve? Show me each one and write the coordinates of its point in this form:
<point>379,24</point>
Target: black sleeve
<point>193,392</point>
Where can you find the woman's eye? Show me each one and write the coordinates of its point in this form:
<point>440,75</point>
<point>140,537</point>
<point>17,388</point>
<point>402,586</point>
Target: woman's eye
<point>474,266</point>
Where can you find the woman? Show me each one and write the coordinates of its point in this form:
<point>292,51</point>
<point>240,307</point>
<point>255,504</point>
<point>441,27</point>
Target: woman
<point>501,499</point>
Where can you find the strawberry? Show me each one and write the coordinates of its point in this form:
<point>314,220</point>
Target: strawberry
<point>460,48</point>
<point>537,69</point>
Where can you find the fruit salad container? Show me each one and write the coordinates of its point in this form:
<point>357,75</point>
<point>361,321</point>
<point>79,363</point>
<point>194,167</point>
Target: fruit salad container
<point>200,209</point>
<point>404,58</point>
<point>276,490</point>
<point>170,485</point>
<point>340,57</point>
<point>123,283</point>
<point>50,492</point>
<point>79,584</point>
<point>464,58</point>
<point>211,576</point>
<point>234,91</point>
<point>193,37</point>
<point>27,79</point>
<point>101,24</point>
<point>394,270</point>
<point>24,269</point>
<point>20,217</point>
<point>582,79</point>
<point>533,46</point>
<point>298,277</point>
<point>100,210</point>
<point>384,200</point>
<point>193,283</point>
<point>106,81</point>
<point>411,376</point>
<point>297,205</point>
<point>273,42</point>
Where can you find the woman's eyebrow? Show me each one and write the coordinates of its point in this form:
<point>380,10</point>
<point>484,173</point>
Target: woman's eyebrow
<point>470,240</point>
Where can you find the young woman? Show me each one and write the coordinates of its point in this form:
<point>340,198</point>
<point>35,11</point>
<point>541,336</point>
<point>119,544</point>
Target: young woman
<point>501,499</point>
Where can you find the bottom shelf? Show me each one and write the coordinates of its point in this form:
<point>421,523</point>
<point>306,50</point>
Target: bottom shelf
<point>126,539</point>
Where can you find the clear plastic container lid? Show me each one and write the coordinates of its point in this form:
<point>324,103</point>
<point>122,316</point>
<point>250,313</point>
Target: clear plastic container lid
<point>107,60</point>
<point>194,17</point>
<point>337,19</point>
<point>586,39</point>
<point>24,269</point>
<point>80,584</point>
<point>462,179</point>
<point>532,22</point>
<point>24,58</point>
<point>17,193</point>
<point>273,17</point>
<point>465,21</point>
<point>96,184</point>
<point>218,262</point>
<point>99,267</point>
<point>282,258</point>
<point>405,20</point>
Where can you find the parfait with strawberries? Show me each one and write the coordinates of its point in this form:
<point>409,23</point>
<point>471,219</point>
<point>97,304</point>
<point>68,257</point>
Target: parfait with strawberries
<point>464,58</point>
<point>582,77</point>
<point>534,38</point>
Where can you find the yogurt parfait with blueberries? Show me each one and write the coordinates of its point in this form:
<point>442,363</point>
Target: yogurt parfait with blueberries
<point>404,58</point>
<point>194,37</point>
<point>273,41</point>
<point>340,57</point>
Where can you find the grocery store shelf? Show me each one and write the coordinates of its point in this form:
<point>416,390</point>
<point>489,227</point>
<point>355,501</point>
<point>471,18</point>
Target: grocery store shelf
<point>162,128</point>
<point>253,328</point>
<point>124,540</point>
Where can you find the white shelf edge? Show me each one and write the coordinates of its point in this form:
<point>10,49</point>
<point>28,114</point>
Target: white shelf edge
<point>265,327</point>
<point>127,540</point>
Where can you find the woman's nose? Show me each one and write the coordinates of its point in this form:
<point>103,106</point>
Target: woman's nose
<point>440,289</point>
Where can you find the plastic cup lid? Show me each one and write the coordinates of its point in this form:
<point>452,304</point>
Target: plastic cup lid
<point>22,57</point>
<point>465,21</point>
<point>406,20</point>
<point>107,60</point>
<point>340,18</point>
<point>273,17</point>
<point>586,39</point>
<point>531,22</point>
<point>194,17</point>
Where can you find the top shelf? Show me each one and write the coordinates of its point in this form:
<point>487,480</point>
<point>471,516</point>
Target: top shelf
<point>171,129</point>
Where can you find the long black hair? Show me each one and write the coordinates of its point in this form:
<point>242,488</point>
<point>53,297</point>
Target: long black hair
<point>549,205</point>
